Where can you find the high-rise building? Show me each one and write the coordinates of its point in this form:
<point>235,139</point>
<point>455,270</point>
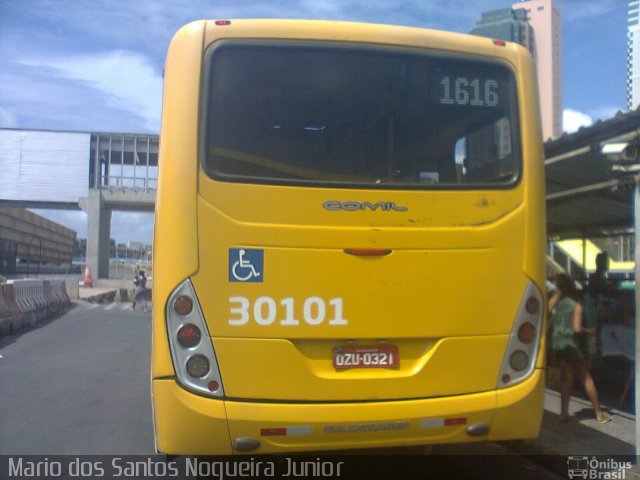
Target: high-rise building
<point>535,24</point>
<point>506,24</point>
<point>633,55</point>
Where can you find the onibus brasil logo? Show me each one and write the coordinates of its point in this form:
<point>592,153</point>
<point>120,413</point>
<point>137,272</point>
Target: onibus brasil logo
<point>596,468</point>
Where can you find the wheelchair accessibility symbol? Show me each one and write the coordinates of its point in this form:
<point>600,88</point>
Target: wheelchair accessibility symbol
<point>246,265</point>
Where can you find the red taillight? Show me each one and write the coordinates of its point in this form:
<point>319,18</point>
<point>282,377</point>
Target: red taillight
<point>527,332</point>
<point>370,252</point>
<point>500,43</point>
<point>223,23</point>
<point>189,336</point>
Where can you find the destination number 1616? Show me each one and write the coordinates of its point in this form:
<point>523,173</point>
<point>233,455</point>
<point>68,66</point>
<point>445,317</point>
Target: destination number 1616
<point>266,311</point>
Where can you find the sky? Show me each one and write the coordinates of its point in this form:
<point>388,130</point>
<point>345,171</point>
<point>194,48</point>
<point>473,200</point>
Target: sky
<point>96,65</point>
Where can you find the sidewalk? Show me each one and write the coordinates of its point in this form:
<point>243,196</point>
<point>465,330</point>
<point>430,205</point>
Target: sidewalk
<point>559,444</point>
<point>582,435</point>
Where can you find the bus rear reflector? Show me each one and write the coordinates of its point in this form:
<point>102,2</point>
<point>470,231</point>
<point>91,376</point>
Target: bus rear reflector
<point>449,422</point>
<point>273,432</point>
<point>223,23</point>
<point>297,430</point>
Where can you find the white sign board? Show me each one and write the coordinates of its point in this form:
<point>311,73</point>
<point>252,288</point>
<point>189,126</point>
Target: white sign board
<point>44,166</point>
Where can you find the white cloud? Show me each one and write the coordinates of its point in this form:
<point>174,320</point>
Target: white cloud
<point>127,79</point>
<point>588,9</point>
<point>572,120</point>
<point>132,226</point>
<point>603,113</point>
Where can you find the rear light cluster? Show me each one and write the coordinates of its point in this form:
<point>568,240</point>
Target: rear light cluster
<point>192,352</point>
<point>524,343</point>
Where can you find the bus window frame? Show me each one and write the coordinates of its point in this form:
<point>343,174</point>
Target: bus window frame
<point>515,117</point>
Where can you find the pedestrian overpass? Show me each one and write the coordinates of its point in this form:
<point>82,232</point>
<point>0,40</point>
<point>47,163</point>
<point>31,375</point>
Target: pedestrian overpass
<point>96,172</point>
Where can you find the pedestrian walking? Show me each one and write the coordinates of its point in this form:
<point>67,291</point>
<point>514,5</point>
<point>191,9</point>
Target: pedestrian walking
<point>567,331</point>
<point>140,295</point>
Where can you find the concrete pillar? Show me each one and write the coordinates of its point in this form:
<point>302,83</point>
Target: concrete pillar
<point>98,233</point>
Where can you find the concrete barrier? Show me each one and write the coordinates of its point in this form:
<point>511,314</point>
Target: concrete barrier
<point>25,294</point>
<point>4,306</point>
<point>59,292</point>
<point>52,301</point>
<point>38,292</point>
<point>26,302</point>
<point>9,297</point>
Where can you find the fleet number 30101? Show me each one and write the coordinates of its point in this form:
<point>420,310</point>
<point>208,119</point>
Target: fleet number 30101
<point>287,312</point>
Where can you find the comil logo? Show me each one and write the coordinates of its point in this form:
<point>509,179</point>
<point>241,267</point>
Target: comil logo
<point>350,206</point>
<point>597,468</point>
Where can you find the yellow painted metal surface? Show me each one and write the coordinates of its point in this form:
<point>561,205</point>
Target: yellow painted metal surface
<point>446,295</point>
<point>209,427</point>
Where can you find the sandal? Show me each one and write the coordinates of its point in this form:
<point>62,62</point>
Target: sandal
<point>605,418</point>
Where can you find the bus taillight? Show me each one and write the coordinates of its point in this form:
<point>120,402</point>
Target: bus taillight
<point>189,336</point>
<point>523,346</point>
<point>194,358</point>
<point>183,305</point>
<point>527,332</point>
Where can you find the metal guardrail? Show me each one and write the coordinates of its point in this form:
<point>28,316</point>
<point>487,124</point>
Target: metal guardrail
<point>134,183</point>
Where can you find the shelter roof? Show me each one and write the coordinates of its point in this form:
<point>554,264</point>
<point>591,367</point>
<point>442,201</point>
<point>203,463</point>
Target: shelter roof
<point>591,177</point>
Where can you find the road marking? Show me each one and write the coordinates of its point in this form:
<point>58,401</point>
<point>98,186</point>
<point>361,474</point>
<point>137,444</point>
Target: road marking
<point>125,306</point>
<point>110,306</point>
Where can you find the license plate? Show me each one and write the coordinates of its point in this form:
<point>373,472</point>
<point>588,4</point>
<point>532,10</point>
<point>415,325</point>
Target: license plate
<point>366,356</point>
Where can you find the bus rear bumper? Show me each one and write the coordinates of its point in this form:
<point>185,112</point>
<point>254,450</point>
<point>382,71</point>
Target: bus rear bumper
<point>191,424</point>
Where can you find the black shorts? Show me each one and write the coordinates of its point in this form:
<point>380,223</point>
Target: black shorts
<point>569,354</point>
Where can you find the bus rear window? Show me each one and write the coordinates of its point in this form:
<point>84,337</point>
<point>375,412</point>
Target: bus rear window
<point>333,115</point>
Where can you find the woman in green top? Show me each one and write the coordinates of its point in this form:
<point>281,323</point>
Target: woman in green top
<point>567,329</point>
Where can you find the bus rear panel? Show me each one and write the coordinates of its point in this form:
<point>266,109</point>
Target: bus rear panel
<point>349,240</point>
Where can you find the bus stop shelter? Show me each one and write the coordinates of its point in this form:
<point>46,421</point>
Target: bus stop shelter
<point>592,183</point>
<point>591,178</point>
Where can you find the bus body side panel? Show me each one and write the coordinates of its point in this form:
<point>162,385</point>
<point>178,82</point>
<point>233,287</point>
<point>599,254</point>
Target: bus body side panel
<point>189,424</point>
<point>535,226</point>
<point>175,242</point>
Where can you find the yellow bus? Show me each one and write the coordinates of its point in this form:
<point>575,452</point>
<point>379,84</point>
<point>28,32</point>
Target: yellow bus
<point>349,240</point>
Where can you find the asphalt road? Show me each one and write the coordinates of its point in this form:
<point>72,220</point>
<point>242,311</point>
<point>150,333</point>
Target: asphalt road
<point>79,385</point>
